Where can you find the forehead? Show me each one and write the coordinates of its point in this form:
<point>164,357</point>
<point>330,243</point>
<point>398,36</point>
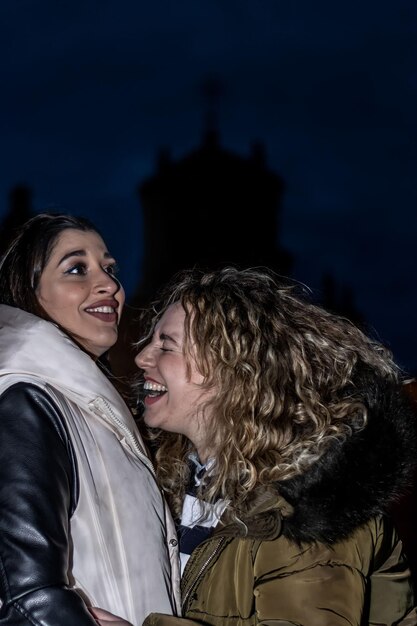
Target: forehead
<point>73,239</point>
<point>172,320</point>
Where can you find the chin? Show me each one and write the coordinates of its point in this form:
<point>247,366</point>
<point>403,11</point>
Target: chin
<point>149,422</point>
<point>105,346</point>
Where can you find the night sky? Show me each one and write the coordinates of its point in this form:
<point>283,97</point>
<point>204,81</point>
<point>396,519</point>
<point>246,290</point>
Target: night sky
<point>92,89</point>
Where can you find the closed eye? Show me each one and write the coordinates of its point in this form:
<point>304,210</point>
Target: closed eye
<point>167,339</point>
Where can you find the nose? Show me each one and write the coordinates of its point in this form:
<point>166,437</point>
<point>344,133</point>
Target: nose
<point>107,283</point>
<point>145,357</point>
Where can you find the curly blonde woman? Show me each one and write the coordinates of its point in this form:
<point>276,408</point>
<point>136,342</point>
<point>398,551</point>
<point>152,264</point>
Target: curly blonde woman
<point>283,439</point>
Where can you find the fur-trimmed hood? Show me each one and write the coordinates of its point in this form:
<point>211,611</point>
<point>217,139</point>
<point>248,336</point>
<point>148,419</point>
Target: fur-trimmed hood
<point>361,477</point>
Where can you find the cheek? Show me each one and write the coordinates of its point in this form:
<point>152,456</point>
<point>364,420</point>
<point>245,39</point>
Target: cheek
<point>181,393</point>
<point>191,399</point>
<point>60,298</point>
<point>47,297</point>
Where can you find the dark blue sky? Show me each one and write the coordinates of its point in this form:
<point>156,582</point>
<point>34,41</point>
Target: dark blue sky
<point>90,89</point>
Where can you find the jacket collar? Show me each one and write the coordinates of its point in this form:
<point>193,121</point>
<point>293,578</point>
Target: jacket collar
<point>33,347</point>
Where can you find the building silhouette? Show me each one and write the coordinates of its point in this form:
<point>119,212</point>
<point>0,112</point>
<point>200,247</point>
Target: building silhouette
<point>210,208</point>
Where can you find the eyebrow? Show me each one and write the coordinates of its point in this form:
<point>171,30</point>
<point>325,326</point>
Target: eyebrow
<point>165,337</point>
<point>81,253</point>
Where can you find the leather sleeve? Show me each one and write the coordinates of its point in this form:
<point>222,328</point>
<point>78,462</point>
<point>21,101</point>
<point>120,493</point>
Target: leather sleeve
<point>37,496</point>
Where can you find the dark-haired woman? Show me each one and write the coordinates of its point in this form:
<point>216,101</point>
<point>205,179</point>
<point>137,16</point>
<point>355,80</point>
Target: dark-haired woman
<point>82,519</point>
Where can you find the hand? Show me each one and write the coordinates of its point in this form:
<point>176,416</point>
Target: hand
<point>104,618</point>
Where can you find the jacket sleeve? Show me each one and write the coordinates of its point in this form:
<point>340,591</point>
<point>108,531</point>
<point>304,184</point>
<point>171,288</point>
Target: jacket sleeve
<point>319,585</point>
<point>37,493</point>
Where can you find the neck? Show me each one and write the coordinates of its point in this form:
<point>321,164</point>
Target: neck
<point>204,453</point>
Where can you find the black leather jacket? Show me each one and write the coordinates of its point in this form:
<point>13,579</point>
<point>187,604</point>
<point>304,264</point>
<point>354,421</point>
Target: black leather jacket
<point>38,494</point>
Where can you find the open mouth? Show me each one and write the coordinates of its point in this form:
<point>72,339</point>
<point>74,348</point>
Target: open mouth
<point>153,390</point>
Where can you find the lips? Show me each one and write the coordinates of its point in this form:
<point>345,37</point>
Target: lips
<point>104,310</point>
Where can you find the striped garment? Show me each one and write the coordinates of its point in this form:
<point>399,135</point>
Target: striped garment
<point>198,518</point>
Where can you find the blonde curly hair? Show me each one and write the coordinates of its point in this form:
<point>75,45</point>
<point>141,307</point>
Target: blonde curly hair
<point>284,374</point>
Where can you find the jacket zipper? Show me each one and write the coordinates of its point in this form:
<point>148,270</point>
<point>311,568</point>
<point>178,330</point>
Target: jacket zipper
<point>101,406</point>
<point>201,571</point>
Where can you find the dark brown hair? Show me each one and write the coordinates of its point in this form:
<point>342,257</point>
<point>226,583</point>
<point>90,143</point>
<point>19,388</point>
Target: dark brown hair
<point>24,261</point>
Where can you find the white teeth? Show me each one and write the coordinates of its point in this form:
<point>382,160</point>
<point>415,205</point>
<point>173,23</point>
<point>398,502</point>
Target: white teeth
<point>148,386</point>
<point>102,309</point>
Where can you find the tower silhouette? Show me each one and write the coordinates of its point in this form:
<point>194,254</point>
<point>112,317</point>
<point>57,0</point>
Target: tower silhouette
<point>210,208</point>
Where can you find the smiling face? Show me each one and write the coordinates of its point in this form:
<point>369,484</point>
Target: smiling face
<point>77,290</point>
<point>174,396</point>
